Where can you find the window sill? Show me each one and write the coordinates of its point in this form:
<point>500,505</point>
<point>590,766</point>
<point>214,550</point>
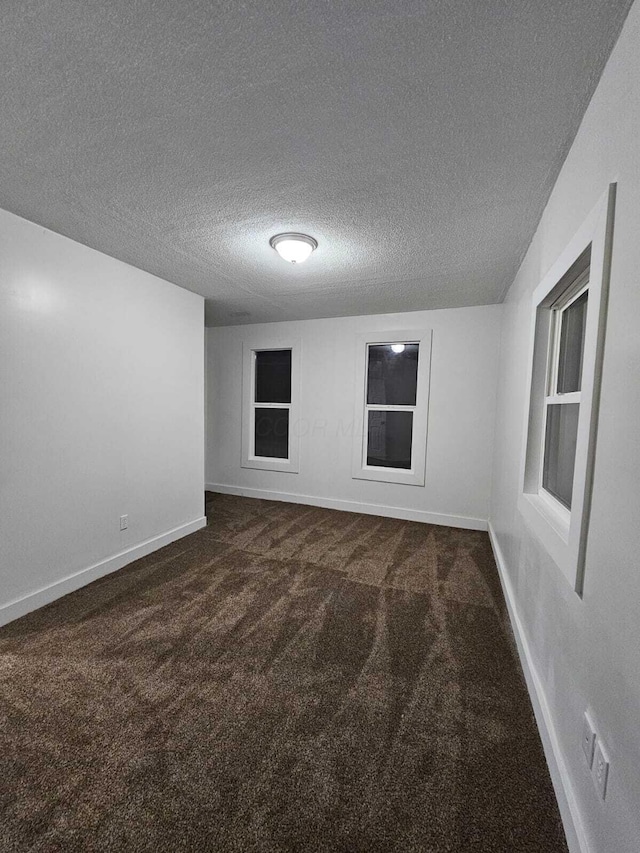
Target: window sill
<point>553,512</point>
<point>552,529</point>
<point>389,475</point>
<point>264,463</point>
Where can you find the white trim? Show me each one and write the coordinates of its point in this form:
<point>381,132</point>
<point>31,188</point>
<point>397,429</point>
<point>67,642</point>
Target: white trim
<point>257,343</point>
<point>463,521</point>
<point>34,600</point>
<point>567,803</point>
<point>415,476</point>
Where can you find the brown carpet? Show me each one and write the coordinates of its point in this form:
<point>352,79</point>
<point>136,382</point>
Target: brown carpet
<point>287,679</point>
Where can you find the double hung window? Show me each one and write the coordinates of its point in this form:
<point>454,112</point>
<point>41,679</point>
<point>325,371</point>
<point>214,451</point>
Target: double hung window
<point>270,438</point>
<point>562,400</point>
<point>271,403</point>
<point>391,414</point>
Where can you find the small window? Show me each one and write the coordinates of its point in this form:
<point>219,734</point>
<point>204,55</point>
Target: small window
<point>269,408</point>
<point>393,377</point>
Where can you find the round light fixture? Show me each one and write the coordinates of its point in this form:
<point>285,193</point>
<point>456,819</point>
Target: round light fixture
<point>294,248</point>
<point>397,347</point>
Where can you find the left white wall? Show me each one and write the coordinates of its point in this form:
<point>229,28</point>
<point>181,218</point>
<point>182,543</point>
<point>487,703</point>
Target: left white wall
<point>101,414</point>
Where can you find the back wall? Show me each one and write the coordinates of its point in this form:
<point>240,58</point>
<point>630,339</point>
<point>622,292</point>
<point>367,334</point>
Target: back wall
<point>464,368</point>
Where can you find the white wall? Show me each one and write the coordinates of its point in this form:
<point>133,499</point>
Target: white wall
<point>461,413</point>
<point>587,652</point>
<point>101,414</point>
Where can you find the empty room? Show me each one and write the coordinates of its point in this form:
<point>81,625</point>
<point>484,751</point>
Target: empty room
<point>319,426</point>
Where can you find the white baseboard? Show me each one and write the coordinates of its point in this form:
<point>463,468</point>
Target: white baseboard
<point>563,787</point>
<point>353,506</point>
<point>33,600</point>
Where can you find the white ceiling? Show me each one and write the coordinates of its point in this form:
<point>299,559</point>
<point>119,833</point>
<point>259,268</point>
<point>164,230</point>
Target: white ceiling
<point>416,140</point>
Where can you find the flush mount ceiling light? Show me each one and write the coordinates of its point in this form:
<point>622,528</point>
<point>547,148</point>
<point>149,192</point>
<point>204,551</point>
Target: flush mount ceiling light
<point>397,347</point>
<point>294,248</point>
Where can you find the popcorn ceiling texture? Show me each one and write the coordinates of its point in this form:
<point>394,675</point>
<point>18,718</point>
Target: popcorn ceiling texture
<point>417,141</point>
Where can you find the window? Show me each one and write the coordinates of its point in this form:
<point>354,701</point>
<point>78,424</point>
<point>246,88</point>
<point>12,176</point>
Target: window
<point>391,413</point>
<point>270,407</point>
<point>568,323</point>
<point>562,400</point>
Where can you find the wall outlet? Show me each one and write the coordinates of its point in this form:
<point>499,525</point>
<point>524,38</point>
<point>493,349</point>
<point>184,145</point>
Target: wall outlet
<point>588,740</point>
<point>601,771</point>
<point>124,522</point>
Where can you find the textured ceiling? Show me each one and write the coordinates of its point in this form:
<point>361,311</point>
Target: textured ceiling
<point>416,140</point>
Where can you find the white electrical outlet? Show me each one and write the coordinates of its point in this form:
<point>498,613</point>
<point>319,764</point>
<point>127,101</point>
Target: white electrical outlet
<point>601,771</point>
<point>124,522</point>
<point>588,740</point>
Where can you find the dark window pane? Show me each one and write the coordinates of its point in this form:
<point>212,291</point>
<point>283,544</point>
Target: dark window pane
<point>273,376</point>
<point>572,345</point>
<point>392,377</point>
<point>389,439</point>
<point>560,450</point>
<point>272,433</point>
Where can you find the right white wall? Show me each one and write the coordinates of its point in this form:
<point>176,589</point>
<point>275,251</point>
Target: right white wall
<point>586,653</point>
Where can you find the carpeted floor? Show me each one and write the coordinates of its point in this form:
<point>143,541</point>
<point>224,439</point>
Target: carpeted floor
<point>287,679</point>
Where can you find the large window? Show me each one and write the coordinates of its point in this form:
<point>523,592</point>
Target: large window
<point>270,407</point>
<point>568,326</point>
<point>391,417</point>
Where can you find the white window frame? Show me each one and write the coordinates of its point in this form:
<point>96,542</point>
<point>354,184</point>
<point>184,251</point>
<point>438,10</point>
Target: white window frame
<point>415,476</point>
<point>250,347</point>
<point>561,531</point>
